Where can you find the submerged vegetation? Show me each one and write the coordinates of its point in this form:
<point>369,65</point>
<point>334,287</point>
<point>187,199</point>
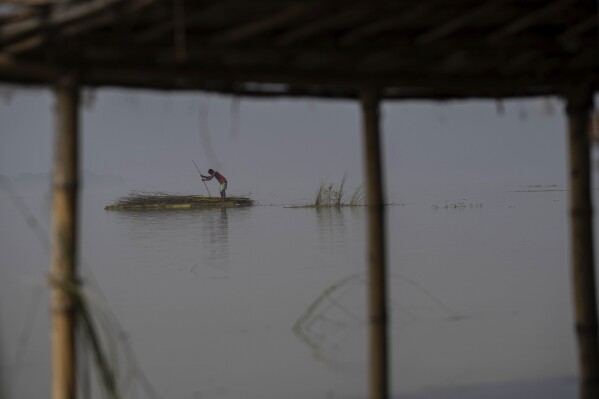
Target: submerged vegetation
<point>141,200</point>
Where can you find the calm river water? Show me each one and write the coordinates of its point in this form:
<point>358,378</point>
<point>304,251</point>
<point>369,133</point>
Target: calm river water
<point>269,302</point>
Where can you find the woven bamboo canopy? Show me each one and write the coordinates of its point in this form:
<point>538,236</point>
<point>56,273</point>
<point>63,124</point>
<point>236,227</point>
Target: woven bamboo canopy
<point>429,49</point>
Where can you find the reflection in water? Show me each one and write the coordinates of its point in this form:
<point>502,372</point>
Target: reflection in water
<point>338,316</point>
<point>208,298</point>
<point>196,241</point>
<point>215,237</point>
<point>324,326</point>
<point>331,226</point>
<point>338,225</point>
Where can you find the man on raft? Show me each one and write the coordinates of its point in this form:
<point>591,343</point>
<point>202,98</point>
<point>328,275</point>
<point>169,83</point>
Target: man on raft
<point>221,180</point>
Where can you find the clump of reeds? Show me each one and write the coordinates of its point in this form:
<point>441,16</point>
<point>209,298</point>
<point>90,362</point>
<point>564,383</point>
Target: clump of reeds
<point>357,197</point>
<point>320,192</point>
<point>340,192</point>
<point>148,198</point>
<point>328,196</point>
<point>137,200</point>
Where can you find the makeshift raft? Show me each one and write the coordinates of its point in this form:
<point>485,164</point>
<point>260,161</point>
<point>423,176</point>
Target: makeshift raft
<point>136,201</point>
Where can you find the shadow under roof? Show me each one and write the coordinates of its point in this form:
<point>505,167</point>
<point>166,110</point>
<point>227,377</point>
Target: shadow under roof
<point>428,49</point>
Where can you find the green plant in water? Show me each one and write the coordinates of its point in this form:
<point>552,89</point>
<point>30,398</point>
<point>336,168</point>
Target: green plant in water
<point>357,197</point>
<point>319,195</point>
<point>327,196</point>
<point>340,192</point>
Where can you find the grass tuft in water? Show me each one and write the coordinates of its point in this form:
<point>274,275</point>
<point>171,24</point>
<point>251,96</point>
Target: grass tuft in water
<point>340,192</point>
<point>357,198</point>
<point>143,200</point>
<point>328,196</point>
<point>320,192</point>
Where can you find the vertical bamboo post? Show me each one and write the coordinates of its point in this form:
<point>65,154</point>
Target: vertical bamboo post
<point>579,104</point>
<point>379,384</point>
<point>64,237</point>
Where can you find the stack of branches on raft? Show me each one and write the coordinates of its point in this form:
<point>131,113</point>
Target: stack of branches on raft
<point>160,200</point>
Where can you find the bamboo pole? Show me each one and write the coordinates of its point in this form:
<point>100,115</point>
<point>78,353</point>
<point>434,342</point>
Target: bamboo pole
<point>582,256</point>
<point>379,383</point>
<point>64,236</point>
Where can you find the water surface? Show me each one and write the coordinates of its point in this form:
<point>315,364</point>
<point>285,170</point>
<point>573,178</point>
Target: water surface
<point>269,301</point>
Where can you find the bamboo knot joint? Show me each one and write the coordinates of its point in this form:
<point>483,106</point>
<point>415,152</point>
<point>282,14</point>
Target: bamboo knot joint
<point>70,284</point>
<point>66,185</point>
<point>63,307</point>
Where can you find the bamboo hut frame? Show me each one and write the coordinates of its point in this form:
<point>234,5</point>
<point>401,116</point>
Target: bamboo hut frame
<point>579,105</point>
<point>377,293</point>
<point>63,274</point>
<point>370,52</point>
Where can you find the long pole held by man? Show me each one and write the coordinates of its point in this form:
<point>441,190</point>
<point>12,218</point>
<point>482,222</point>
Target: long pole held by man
<point>194,162</point>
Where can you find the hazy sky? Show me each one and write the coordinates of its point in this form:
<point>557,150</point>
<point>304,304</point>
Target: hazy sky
<point>278,151</point>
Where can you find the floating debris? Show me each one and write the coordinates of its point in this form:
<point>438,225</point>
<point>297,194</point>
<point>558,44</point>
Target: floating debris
<point>142,200</point>
<point>458,205</point>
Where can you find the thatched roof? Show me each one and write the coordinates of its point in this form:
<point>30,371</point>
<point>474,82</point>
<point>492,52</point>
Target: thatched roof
<point>407,49</point>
